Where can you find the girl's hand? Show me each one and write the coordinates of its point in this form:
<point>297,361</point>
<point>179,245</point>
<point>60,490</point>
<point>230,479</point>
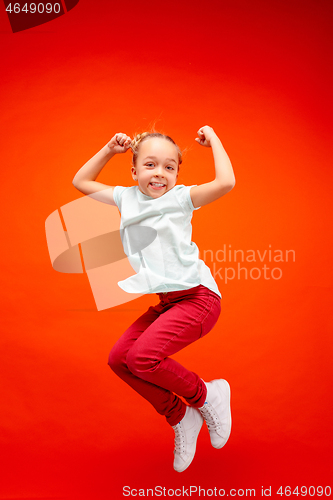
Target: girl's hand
<point>205,134</point>
<point>119,143</point>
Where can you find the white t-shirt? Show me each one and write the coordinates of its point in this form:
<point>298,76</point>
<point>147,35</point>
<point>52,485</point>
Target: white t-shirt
<point>156,235</point>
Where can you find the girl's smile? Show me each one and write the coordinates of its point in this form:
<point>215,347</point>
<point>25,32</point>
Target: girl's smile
<point>156,185</point>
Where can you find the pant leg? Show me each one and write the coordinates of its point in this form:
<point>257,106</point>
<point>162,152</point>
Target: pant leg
<point>165,402</point>
<point>181,318</point>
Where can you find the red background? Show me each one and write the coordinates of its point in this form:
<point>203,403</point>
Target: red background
<point>260,74</point>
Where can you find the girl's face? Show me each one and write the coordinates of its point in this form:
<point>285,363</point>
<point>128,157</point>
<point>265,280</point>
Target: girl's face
<point>156,167</point>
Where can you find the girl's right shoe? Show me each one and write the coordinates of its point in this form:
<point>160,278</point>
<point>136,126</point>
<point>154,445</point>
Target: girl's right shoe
<point>216,412</point>
<point>186,434</point>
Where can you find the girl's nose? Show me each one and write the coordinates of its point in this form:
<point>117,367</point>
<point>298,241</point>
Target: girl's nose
<point>158,172</point>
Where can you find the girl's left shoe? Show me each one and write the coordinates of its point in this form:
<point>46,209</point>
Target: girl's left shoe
<point>186,434</point>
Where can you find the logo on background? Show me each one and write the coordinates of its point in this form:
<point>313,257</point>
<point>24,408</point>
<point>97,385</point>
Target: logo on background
<point>85,236</point>
<point>25,15</point>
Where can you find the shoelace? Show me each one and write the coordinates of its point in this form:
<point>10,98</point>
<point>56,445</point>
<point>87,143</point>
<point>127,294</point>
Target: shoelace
<point>211,417</point>
<point>179,438</point>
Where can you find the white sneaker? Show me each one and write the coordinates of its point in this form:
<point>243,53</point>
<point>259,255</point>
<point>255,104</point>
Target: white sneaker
<point>186,434</point>
<point>216,412</point>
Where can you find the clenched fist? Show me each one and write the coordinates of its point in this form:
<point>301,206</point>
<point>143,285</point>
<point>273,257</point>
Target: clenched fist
<point>120,143</point>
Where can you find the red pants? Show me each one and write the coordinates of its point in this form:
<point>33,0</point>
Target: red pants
<point>140,356</point>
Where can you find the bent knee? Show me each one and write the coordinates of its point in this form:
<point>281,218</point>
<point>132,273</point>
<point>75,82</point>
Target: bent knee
<point>115,359</point>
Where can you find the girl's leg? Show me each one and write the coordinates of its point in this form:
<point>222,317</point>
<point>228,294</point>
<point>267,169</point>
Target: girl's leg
<point>186,316</point>
<point>165,402</point>
<point>180,318</point>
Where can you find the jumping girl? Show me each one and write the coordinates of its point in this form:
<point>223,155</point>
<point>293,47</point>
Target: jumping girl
<point>156,214</point>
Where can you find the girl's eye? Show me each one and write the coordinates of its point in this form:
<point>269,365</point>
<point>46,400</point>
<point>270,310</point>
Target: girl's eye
<point>150,164</point>
<point>169,166</point>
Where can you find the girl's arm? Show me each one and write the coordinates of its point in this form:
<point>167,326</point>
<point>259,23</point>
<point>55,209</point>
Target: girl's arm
<point>224,175</point>
<point>84,180</point>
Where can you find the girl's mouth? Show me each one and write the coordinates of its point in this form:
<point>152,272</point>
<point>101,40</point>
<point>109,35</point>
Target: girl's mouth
<point>157,185</point>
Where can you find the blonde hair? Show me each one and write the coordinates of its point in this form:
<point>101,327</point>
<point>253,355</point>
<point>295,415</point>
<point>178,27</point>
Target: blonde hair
<point>139,138</point>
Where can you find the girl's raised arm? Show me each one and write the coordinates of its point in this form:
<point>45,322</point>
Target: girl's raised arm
<point>84,180</point>
<point>224,175</point>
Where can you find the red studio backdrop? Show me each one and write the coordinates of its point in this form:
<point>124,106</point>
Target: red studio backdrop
<point>260,74</point>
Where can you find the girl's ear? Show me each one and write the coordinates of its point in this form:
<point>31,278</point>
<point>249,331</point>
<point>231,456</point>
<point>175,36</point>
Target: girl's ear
<point>133,172</point>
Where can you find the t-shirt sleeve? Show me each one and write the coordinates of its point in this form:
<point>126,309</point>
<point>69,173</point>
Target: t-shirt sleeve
<point>117,194</point>
<point>184,198</point>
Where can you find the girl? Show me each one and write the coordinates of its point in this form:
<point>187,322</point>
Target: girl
<point>156,233</point>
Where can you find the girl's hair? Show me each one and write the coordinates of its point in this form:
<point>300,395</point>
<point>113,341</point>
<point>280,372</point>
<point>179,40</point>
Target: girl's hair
<point>139,138</point>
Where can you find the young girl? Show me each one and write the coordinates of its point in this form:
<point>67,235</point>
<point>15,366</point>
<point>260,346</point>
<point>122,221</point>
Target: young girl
<point>156,214</point>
